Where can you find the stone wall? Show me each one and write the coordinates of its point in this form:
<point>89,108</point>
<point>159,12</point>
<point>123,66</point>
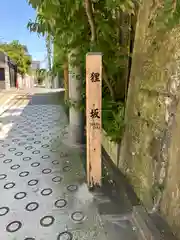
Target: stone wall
<point>7,75</point>
<point>25,82</point>
<point>112,148</point>
<point>2,85</point>
<point>151,148</point>
<point>170,204</point>
<point>20,81</point>
<point>4,64</point>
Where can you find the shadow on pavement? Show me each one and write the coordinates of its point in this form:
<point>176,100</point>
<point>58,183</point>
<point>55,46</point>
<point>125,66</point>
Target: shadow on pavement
<point>113,205</point>
<point>116,198</point>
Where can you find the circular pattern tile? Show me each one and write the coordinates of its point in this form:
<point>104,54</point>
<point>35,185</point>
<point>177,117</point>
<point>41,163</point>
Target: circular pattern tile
<point>36,152</point>
<point>37,134</point>
<point>21,143</point>
<point>66,169</point>
<point>32,206</point>
<point>46,171</point>
<point>53,150</point>
<point>3,176</point>
<point>45,156</point>
<point>47,221</point>
<point>29,238</point>
<point>37,142</point>
<point>7,161</point>
<point>72,188</point>
<point>24,136</point>
<point>26,158</point>
<point>15,140</point>
<point>55,162</point>
<point>46,191</point>
<point>24,174</point>
<point>2,155</point>
<point>19,153</point>
<point>5,145</point>
<point>60,203</point>
<point>46,138</point>
<point>12,149</point>
<point>65,236</point>
<point>33,182</point>
<point>45,146</point>
<point>4,211</point>
<point>13,226</point>
<point>77,216</point>
<point>9,185</point>
<point>30,139</point>
<point>35,164</point>
<point>57,179</point>
<point>28,147</point>
<point>20,195</point>
<point>45,125</point>
<point>63,155</point>
<point>15,166</point>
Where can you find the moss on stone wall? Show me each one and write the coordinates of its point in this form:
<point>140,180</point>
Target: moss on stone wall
<point>152,105</point>
<point>170,205</point>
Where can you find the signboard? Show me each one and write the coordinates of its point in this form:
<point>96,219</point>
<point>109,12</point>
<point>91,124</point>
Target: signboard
<point>93,117</point>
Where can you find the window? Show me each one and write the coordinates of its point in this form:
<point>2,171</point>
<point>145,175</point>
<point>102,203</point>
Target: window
<point>2,74</point>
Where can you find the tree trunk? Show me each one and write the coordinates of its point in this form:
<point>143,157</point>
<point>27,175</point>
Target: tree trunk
<point>75,89</point>
<point>66,79</point>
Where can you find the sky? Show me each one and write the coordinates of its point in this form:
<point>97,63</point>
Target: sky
<point>15,15</point>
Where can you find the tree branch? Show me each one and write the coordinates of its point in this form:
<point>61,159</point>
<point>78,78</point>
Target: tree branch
<point>174,5</point>
<point>89,13</point>
<point>106,80</point>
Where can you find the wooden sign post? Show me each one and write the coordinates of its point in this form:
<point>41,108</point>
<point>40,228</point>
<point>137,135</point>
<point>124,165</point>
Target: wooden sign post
<point>93,117</point>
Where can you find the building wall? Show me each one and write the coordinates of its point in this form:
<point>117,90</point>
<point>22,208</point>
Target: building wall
<point>4,64</point>
<point>35,65</point>
<point>4,83</point>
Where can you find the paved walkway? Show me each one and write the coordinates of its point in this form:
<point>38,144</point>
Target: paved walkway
<point>43,194</point>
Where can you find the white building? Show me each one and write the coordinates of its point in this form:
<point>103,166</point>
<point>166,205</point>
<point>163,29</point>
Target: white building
<point>35,65</point>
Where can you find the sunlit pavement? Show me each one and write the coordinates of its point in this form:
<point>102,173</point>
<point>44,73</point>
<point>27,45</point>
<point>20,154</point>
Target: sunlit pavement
<point>42,181</point>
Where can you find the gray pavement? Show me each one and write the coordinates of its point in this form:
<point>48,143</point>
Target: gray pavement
<point>42,180</point>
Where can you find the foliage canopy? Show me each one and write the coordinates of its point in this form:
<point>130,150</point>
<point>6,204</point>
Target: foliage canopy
<point>41,74</point>
<point>19,54</point>
<point>106,26</point>
<point>90,25</point>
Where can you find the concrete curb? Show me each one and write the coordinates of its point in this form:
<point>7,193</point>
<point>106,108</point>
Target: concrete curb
<point>145,228</point>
